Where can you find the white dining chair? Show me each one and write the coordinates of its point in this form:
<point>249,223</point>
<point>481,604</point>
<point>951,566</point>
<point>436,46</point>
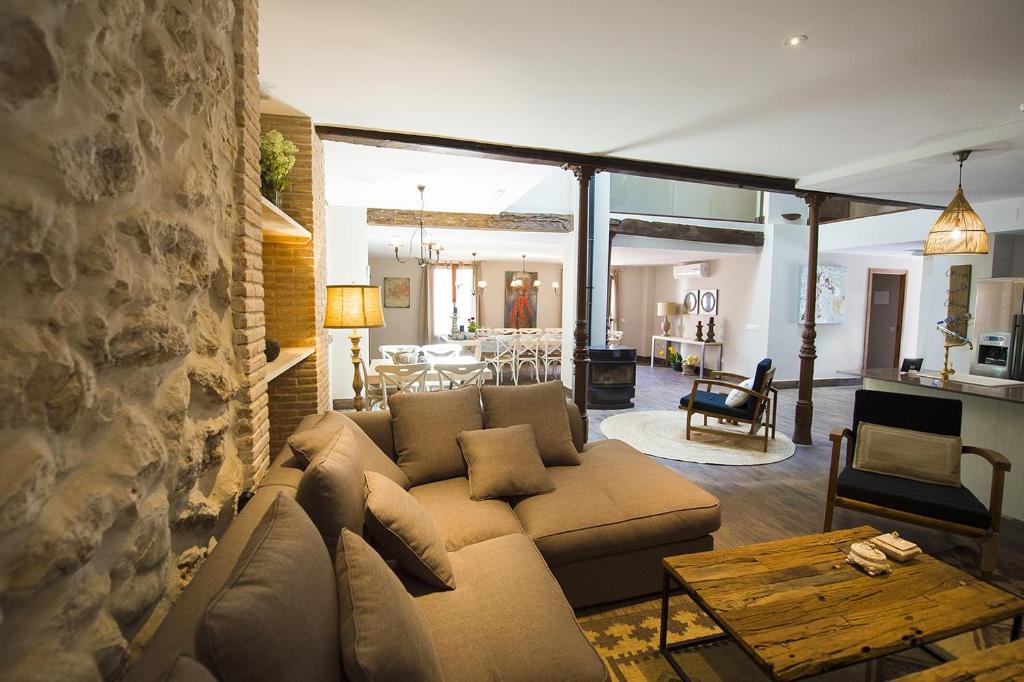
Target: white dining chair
<point>402,379</point>
<point>503,354</point>
<point>550,351</point>
<point>553,330</point>
<point>528,353</point>
<point>441,350</point>
<point>374,391</point>
<point>457,375</point>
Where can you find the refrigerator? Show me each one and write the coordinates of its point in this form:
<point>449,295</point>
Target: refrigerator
<point>999,328</point>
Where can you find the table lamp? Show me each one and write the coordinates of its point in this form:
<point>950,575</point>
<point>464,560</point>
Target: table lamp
<point>355,307</point>
<point>666,308</point>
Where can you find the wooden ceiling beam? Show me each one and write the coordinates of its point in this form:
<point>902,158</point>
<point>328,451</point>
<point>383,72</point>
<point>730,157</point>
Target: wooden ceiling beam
<point>554,157</point>
<point>689,233</point>
<point>509,222</point>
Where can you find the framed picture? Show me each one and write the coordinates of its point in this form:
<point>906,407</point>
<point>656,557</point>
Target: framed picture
<point>830,292</point>
<point>520,302</point>
<point>709,301</point>
<point>691,302</point>
<point>396,292</point>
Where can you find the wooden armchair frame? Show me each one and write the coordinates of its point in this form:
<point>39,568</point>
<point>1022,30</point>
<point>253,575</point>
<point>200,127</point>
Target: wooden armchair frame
<point>765,407</point>
<point>988,538</point>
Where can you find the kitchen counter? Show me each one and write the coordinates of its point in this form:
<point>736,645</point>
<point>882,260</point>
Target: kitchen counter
<point>993,417</point>
<point>1012,393</point>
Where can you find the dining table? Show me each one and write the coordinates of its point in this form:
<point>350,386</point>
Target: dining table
<point>373,378</point>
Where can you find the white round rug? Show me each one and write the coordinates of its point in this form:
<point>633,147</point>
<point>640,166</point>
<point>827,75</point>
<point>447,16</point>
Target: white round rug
<point>663,434</point>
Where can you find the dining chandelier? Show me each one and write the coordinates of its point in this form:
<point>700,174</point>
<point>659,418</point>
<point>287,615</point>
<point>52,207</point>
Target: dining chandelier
<point>430,251</point>
<point>959,229</point>
<point>521,280</point>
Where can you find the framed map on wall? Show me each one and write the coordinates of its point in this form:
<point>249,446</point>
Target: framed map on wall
<point>396,292</point>
<point>830,291</point>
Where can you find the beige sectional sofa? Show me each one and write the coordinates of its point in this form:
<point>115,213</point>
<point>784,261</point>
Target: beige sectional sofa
<point>519,564</point>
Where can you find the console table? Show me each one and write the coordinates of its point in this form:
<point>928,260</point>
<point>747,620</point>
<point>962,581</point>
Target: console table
<point>680,341</point>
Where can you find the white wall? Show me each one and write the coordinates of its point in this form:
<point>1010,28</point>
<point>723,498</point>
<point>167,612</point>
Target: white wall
<point>346,264</point>
<point>402,324</point>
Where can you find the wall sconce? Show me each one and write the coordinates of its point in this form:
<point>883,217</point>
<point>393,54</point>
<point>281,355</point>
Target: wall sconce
<point>557,288</point>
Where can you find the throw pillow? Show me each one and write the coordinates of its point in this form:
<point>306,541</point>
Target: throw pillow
<point>332,490</point>
<point>275,618</point>
<point>916,455</point>
<point>426,426</point>
<point>404,531</point>
<point>542,406</point>
<point>319,437</point>
<point>504,463</point>
<point>334,429</point>
<point>383,633</point>
<point>739,398</point>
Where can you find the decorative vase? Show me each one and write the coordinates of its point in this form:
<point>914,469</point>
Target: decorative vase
<point>677,366</point>
<point>711,330</point>
<point>273,350</point>
<point>700,330</point>
<point>691,370</point>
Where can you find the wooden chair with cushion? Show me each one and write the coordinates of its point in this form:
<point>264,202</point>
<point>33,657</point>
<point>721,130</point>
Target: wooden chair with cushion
<point>948,508</point>
<point>757,410</point>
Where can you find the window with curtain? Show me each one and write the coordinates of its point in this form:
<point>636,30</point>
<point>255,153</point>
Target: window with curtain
<point>450,292</point>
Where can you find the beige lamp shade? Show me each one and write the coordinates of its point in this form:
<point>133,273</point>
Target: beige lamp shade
<point>353,306</point>
<point>666,308</point>
<point>958,230</point>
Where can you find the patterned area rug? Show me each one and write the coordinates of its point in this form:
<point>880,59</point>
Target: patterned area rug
<point>662,433</point>
<point>626,638</point>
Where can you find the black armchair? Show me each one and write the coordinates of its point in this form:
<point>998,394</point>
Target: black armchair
<point>758,411</point>
<point>949,509</point>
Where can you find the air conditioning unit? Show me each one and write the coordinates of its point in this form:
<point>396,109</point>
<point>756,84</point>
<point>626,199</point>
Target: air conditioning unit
<point>691,270</point>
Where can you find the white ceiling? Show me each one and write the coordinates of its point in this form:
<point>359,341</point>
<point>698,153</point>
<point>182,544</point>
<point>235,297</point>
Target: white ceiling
<point>387,178</point>
<point>545,247</point>
<point>873,103</point>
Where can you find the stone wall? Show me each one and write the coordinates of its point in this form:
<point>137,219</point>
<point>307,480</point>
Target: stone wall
<point>294,282</point>
<point>132,404</point>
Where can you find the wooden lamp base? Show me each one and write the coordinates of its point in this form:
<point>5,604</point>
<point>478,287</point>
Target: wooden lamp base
<point>357,377</point>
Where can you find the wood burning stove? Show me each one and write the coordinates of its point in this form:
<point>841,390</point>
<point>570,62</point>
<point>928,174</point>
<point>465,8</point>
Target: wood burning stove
<point>612,374</point>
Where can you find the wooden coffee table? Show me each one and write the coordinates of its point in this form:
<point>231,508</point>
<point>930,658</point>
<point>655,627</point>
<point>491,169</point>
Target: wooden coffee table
<point>798,609</point>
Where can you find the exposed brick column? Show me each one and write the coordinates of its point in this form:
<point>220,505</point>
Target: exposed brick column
<point>252,426</point>
<point>294,284</point>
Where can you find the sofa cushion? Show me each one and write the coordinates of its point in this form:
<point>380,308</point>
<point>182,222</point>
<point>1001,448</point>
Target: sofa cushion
<point>504,463</point>
<point>463,521</point>
<point>317,437</point>
<point>383,633</point>
<point>507,620</point>
<point>617,500</point>
<point>958,505</point>
<point>333,492</point>
<point>542,406</point>
<point>276,617</point>
<point>402,529</point>
<point>426,426</point>
<point>336,431</point>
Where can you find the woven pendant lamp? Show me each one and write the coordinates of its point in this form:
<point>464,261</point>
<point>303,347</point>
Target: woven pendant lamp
<point>959,229</point>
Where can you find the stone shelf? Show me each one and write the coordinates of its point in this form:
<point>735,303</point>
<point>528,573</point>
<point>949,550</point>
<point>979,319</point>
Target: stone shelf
<point>280,227</point>
<point>288,358</point>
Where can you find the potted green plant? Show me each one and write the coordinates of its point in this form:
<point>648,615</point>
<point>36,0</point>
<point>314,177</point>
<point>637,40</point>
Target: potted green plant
<point>674,359</point>
<point>277,156</point>
<point>472,326</point>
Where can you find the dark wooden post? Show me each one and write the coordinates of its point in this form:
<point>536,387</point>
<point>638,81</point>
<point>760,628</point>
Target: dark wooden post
<point>581,357</point>
<point>804,403</point>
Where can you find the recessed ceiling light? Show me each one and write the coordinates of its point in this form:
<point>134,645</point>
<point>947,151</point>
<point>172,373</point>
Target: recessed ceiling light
<point>796,41</point>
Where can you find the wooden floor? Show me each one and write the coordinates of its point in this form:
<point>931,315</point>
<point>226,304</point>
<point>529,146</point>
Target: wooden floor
<point>774,501</point>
